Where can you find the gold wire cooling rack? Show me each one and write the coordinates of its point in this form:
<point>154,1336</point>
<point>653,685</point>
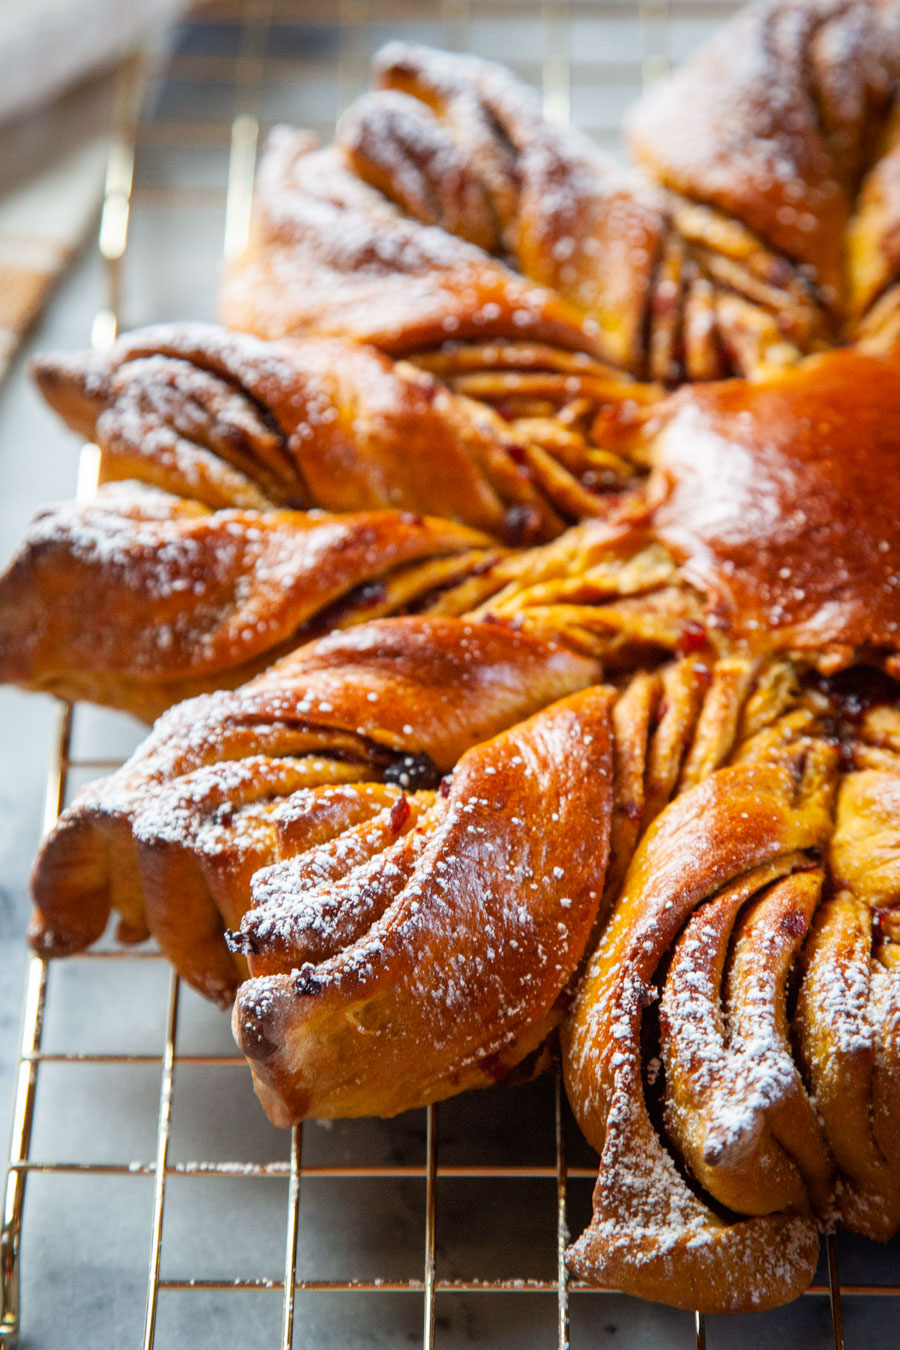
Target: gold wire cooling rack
<point>187,126</point>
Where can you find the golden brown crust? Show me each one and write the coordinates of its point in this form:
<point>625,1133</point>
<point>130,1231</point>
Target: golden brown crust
<point>715,1098</point>
<point>462,148</point>
<point>651,1234</point>
<point>138,599</point>
<point>780,498</point>
<point>463,935</point>
<point>183,600</point>
<point>873,235</point>
<point>228,420</point>
<point>327,254</point>
<point>785,125</point>
<point>769,123</point>
<point>752,514</point>
<point>849,1004</point>
<point>766,225</point>
<point>360,884</point>
<point>714,1076</point>
<point>172,839</point>
<point>572,219</point>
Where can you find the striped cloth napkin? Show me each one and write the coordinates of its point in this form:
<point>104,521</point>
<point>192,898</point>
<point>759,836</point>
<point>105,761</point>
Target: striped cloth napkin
<point>53,154</point>
<point>42,225</point>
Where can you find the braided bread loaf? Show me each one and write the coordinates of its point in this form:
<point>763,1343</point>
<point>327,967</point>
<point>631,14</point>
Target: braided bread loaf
<point>222,785</point>
<point>679,1051</point>
<point>231,421</point>
<point>378,915</point>
<point>783,131</point>
<point>184,600</point>
<point>430,839</point>
<point>765,225</point>
<point>760,514</point>
<point>385,982</point>
<point>650,1230</point>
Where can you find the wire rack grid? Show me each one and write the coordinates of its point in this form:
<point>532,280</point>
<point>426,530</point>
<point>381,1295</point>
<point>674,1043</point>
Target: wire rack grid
<point>187,127</point>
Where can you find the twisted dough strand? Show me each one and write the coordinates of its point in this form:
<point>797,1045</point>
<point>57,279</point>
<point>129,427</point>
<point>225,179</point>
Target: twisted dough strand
<point>650,1232</point>
<point>183,600</point>
<point>462,938</point>
<point>765,224</point>
<point>227,420</point>
<point>172,840</point>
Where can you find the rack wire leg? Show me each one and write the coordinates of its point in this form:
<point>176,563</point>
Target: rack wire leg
<point>290,1253</point>
<point>19,1146</point>
<point>430,1200</point>
<point>26,1079</point>
<point>834,1293</point>
<point>166,1092</point>
<point>562,1226</point>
